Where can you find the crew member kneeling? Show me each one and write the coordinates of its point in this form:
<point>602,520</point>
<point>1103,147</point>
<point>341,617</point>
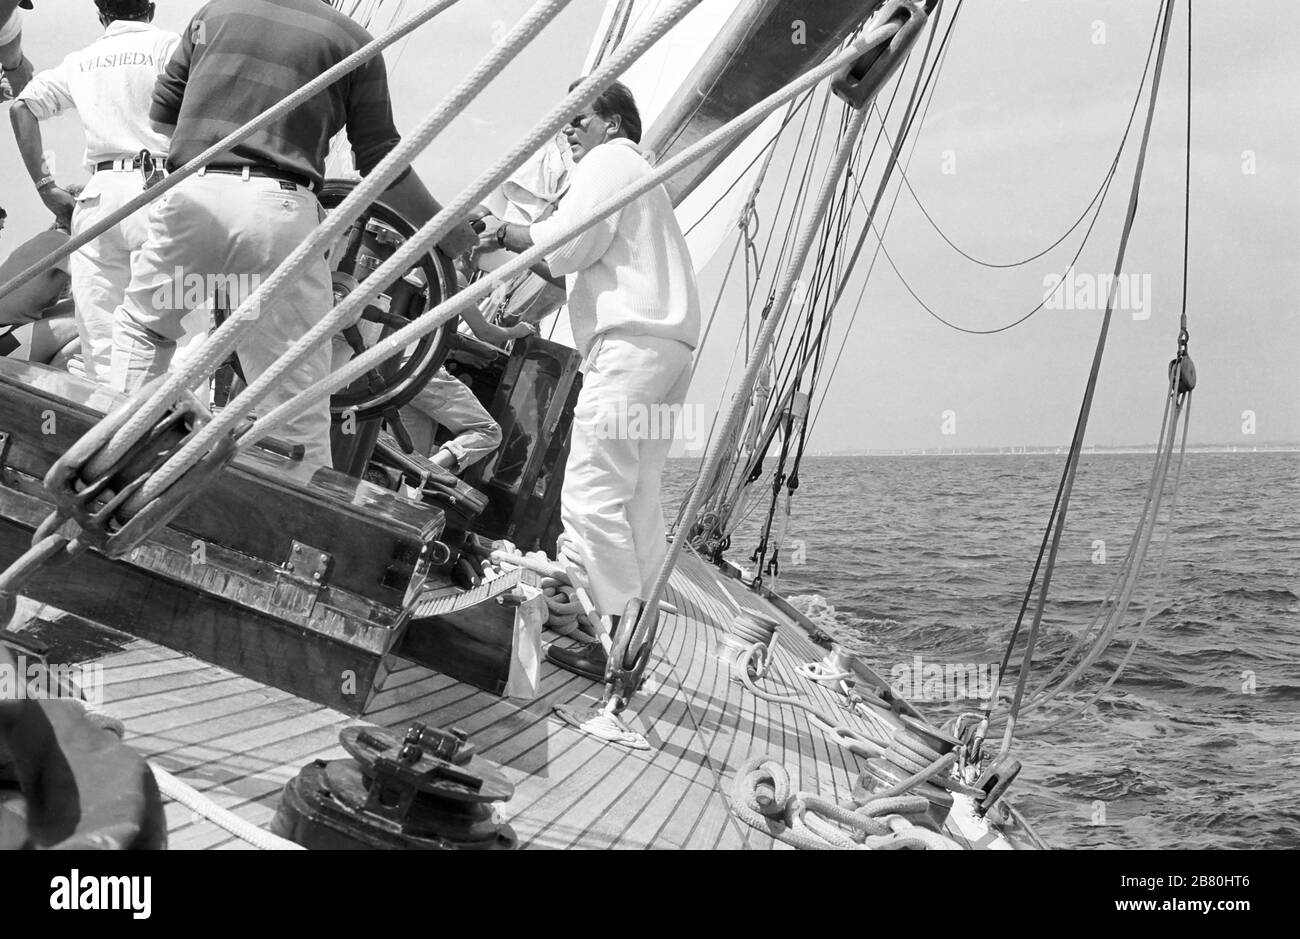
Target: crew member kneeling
<point>635,311</point>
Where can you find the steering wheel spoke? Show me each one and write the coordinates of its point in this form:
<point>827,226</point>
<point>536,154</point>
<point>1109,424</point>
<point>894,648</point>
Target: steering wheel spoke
<point>375,236</point>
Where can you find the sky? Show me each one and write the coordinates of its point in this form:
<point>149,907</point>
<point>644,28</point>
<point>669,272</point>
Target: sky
<point>1027,113</point>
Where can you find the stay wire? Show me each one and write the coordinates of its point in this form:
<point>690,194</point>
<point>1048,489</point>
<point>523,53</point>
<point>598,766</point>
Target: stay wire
<point>1098,201</point>
<point>931,84</point>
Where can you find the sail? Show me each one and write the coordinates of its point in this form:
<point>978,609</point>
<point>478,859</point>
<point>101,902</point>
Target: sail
<point>710,213</point>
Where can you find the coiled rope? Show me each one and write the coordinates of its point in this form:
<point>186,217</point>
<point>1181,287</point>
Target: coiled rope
<point>761,797</point>
<point>885,739</point>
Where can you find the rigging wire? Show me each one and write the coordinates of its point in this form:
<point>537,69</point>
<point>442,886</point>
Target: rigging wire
<point>1099,201</point>
<point>844,207</point>
<point>1056,505</point>
<point>940,59</point>
<point>767,151</point>
<point>1137,550</point>
<point>1057,525</point>
<point>731,518</point>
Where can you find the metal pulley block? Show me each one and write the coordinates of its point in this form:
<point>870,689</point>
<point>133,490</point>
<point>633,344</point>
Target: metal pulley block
<point>995,781</point>
<point>1182,370</point>
<point>426,790</point>
<point>104,500</point>
<point>899,24</point>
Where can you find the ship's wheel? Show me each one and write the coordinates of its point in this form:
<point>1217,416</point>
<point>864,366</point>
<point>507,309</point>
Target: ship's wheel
<point>371,239</point>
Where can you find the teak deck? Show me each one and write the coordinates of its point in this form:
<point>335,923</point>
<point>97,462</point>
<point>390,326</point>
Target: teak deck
<point>239,741</point>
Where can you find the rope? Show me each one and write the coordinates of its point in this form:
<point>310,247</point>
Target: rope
<point>770,324</point>
<point>222,342</point>
<point>564,608</point>
<point>410,251</point>
<point>197,802</point>
<point>227,143</point>
<point>1076,446</point>
<point>1099,200</point>
<point>472,295</point>
<point>1146,617</point>
<point>761,798</point>
<point>1137,98</point>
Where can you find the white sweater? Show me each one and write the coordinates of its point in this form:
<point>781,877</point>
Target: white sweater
<point>631,272</point>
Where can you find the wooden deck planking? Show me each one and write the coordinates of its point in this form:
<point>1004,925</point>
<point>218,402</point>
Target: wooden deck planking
<point>684,824</point>
<point>703,605</point>
<point>239,741</point>
<point>609,797</point>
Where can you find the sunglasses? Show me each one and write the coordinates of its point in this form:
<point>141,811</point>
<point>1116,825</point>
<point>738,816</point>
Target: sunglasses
<point>579,122</point>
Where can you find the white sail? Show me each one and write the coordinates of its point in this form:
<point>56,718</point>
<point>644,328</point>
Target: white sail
<point>655,78</point>
<point>709,215</point>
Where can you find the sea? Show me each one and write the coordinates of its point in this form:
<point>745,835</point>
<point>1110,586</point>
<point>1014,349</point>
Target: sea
<point>919,561</point>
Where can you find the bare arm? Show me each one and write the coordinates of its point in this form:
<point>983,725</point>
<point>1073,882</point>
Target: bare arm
<point>490,332</point>
<point>412,198</point>
<point>27,131</point>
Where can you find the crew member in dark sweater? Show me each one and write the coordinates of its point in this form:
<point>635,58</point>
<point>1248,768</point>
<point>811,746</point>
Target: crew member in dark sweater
<point>256,203</point>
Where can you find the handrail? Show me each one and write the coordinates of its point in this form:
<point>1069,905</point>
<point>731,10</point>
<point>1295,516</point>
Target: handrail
<point>309,90</point>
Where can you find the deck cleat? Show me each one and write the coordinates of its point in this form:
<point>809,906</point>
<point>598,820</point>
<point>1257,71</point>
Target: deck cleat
<point>425,790</point>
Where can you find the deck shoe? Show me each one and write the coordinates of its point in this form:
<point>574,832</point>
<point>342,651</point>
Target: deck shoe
<point>587,660</point>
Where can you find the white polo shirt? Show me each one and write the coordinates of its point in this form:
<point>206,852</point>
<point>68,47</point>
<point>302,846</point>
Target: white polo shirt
<point>631,272</point>
<point>110,84</point>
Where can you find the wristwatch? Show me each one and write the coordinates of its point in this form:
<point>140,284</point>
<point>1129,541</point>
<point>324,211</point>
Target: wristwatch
<point>501,236</point>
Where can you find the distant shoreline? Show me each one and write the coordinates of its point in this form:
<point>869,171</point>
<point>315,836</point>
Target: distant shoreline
<point>1037,451</point>
<point>1053,451</point>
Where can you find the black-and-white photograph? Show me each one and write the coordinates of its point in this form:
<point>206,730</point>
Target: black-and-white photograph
<point>697,425</point>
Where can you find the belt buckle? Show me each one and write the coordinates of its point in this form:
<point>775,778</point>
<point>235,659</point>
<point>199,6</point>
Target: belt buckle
<point>151,173</point>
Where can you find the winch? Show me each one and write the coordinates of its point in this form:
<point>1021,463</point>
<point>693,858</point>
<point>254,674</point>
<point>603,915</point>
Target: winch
<point>427,790</point>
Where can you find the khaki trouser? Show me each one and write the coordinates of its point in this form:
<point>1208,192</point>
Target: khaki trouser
<point>221,230</point>
<point>610,501</point>
<point>448,401</point>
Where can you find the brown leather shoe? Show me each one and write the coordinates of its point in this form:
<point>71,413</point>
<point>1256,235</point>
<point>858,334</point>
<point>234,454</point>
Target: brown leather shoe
<point>587,660</point>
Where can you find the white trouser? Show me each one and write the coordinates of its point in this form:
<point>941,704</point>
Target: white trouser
<point>220,230</point>
<point>623,427</point>
<point>101,270</point>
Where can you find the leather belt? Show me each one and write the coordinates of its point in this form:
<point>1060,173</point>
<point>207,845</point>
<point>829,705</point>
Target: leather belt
<point>125,164</point>
<point>264,172</point>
